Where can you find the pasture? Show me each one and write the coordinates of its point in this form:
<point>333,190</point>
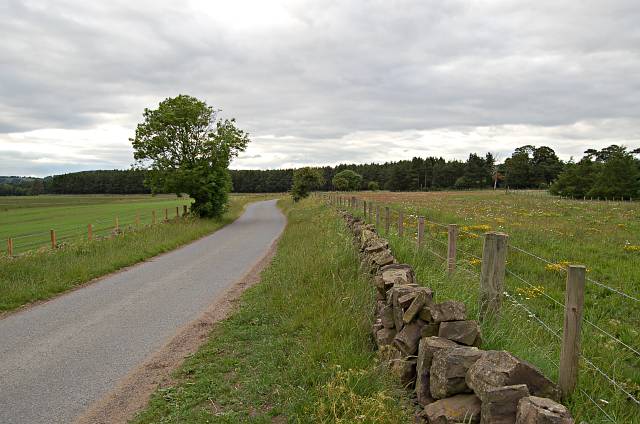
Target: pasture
<point>28,219</point>
<point>545,235</point>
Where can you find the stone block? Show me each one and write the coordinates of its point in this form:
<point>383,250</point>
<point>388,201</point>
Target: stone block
<point>463,332</point>
<point>537,410</point>
<point>448,371</point>
<point>454,410</point>
<point>427,348</point>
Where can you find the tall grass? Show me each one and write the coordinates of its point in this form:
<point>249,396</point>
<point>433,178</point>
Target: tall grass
<point>549,228</point>
<point>298,349</point>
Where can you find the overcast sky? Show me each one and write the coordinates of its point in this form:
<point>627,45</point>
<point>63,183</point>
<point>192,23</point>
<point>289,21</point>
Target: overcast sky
<point>318,82</point>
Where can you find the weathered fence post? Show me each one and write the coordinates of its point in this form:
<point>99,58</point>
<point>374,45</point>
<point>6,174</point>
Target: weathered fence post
<point>364,210</point>
<point>166,214</point>
<point>420,231</point>
<point>117,224</point>
<point>570,353</point>
<point>494,256</point>
<point>10,247</point>
<point>354,202</point>
<point>387,217</point>
<point>52,233</point>
<point>451,251</point>
<point>378,217</point>
<point>153,217</point>
<point>400,223</point>
<point>177,211</point>
<point>89,232</point>
<point>184,210</point>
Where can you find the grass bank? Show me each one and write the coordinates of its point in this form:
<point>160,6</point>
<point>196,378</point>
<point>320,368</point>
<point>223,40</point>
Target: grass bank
<point>43,274</point>
<point>519,330</point>
<point>298,348</point>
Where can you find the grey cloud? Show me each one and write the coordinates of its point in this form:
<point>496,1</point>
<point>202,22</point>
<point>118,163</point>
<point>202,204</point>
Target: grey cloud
<point>331,70</point>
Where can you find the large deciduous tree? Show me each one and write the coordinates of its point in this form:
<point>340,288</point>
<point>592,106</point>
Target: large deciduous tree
<point>347,180</point>
<point>187,150</point>
<point>305,180</point>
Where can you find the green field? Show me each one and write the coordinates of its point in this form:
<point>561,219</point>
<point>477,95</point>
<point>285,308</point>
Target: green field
<point>545,234</point>
<point>28,219</point>
<point>298,349</point>
<point>43,273</point>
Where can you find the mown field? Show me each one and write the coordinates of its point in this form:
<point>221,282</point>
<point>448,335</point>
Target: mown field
<point>28,219</point>
<point>298,349</point>
<point>38,272</point>
<point>545,234</point>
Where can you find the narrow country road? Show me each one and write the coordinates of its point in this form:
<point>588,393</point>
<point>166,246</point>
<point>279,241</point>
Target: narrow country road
<point>58,357</point>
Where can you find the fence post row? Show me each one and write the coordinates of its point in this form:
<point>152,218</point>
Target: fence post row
<point>387,217</point>
<point>570,353</point>
<point>451,251</point>
<point>420,231</point>
<point>494,256</point>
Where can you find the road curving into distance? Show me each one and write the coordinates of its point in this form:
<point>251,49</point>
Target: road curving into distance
<point>59,357</point>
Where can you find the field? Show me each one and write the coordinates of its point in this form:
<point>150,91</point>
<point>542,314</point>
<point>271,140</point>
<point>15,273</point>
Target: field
<point>545,234</point>
<point>41,272</point>
<point>28,219</point>
<point>298,349</point>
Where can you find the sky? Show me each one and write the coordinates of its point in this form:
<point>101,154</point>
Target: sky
<point>319,82</point>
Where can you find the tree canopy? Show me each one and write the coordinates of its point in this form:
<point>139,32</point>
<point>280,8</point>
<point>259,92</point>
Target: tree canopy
<point>187,150</point>
<point>347,180</point>
<point>305,180</point>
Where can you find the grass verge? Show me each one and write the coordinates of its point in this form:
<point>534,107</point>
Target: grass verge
<point>298,349</point>
<point>43,274</point>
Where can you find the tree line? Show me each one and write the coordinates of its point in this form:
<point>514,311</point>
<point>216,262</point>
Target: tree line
<point>611,172</point>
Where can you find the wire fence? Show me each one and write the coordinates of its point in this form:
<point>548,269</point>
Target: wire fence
<point>613,372</point>
<point>127,221</point>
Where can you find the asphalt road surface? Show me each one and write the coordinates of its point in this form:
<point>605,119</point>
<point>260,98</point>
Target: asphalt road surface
<point>58,357</point>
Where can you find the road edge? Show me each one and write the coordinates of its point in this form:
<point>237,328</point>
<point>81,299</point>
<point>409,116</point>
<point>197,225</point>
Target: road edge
<point>133,392</point>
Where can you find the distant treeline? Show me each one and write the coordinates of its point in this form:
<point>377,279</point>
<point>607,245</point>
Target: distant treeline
<point>610,172</point>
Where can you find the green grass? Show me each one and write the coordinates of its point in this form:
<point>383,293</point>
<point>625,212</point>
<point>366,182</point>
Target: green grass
<point>298,349</point>
<point>590,233</point>
<point>39,275</point>
<point>28,219</point>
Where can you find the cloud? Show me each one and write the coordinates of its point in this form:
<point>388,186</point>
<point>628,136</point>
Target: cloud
<point>322,80</point>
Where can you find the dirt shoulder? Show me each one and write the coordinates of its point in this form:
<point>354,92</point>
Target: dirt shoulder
<point>133,393</point>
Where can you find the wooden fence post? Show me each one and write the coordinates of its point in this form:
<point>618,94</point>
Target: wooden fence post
<point>52,233</point>
<point>387,216</point>
<point>117,224</point>
<point>354,202</point>
<point>166,214</point>
<point>10,247</point>
<point>89,232</point>
<point>494,256</point>
<point>420,231</point>
<point>184,210</point>
<point>451,251</point>
<point>378,217</point>
<point>371,212</point>
<point>177,211</point>
<point>153,217</point>
<point>570,353</point>
<point>364,210</point>
<point>400,223</point>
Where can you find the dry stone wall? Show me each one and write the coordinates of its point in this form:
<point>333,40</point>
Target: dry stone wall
<point>435,351</point>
